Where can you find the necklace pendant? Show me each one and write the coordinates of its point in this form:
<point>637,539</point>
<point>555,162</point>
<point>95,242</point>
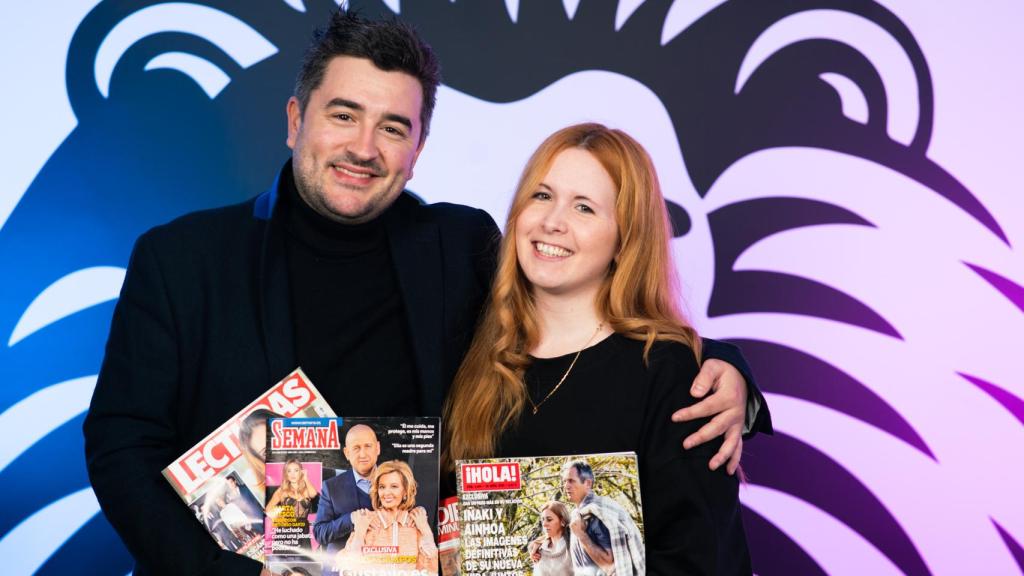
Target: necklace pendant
<point>537,406</point>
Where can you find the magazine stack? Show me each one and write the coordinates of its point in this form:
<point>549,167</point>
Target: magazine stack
<point>222,478</point>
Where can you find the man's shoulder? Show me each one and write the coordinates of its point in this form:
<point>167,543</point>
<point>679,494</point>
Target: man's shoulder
<point>345,477</point>
<point>596,527</point>
<point>607,506</point>
<point>447,214</point>
<point>202,222</point>
<point>451,210</point>
<point>205,230</point>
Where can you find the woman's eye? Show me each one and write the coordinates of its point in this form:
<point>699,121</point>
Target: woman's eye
<point>584,208</point>
<point>541,196</point>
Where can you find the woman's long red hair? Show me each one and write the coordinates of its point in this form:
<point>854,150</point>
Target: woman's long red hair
<point>638,298</point>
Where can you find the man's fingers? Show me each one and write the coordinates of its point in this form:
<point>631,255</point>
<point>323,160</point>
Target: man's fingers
<point>734,461</point>
<point>728,449</point>
<point>712,429</point>
<point>705,380</point>
<point>732,392</point>
<point>707,407</point>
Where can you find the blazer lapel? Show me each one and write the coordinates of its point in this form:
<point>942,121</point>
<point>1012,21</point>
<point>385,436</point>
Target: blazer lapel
<point>274,293</point>
<point>416,253</point>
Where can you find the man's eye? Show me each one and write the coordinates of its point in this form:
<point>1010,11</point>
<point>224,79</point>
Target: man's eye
<point>394,131</point>
<point>343,116</point>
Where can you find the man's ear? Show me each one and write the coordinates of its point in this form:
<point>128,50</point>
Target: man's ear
<point>294,113</point>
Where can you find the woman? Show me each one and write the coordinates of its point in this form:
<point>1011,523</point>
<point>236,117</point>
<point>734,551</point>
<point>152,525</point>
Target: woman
<point>583,346</point>
<point>295,491</point>
<point>396,534</point>
<point>550,552</point>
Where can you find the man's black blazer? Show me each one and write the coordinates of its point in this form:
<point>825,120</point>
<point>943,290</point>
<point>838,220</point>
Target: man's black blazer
<point>339,497</point>
<point>203,327</point>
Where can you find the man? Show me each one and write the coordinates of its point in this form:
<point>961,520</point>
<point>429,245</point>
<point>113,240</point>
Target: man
<point>349,491</point>
<point>603,539</point>
<point>334,269</point>
<point>252,435</point>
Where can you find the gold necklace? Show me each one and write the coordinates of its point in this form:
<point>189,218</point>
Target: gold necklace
<point>537,406</point>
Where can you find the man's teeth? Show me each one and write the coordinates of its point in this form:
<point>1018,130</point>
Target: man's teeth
<point>351,173</point>
<point>549,250</point>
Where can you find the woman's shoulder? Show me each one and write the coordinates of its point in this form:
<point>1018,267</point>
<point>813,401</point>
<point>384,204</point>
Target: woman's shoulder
<point>670,369</point>
<point>673,353</point>
<point>664,355</point>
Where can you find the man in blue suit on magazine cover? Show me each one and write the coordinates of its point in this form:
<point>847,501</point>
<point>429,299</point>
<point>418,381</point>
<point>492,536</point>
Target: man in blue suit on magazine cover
<point>346,492</point>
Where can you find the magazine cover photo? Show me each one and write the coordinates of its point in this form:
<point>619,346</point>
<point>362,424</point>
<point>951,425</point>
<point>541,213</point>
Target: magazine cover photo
<point>551,516</point>
<point>231,514</point>
<point>352,496</point>
<point>222,479</point>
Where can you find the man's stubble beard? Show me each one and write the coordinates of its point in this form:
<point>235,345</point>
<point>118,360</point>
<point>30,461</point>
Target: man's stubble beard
<point>311,191</point>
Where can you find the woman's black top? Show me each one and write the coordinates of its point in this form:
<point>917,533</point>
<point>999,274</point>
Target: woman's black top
<point>613,402</point>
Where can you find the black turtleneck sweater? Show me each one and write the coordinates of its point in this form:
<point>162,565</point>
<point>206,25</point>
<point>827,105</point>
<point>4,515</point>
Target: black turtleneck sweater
<point>351,337</point>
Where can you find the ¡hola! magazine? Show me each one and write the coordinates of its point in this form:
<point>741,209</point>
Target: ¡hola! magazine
<point>514,514</point>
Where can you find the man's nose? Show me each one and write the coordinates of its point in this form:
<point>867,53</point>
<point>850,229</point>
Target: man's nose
<point>364,144</point>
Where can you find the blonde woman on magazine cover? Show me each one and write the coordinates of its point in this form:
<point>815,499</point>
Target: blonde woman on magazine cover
<point>396,534</point>
<point>296,491</point>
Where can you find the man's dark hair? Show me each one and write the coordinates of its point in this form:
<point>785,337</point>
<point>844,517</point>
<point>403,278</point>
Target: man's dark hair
<point>390,44</point>
<point>583,469</point>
